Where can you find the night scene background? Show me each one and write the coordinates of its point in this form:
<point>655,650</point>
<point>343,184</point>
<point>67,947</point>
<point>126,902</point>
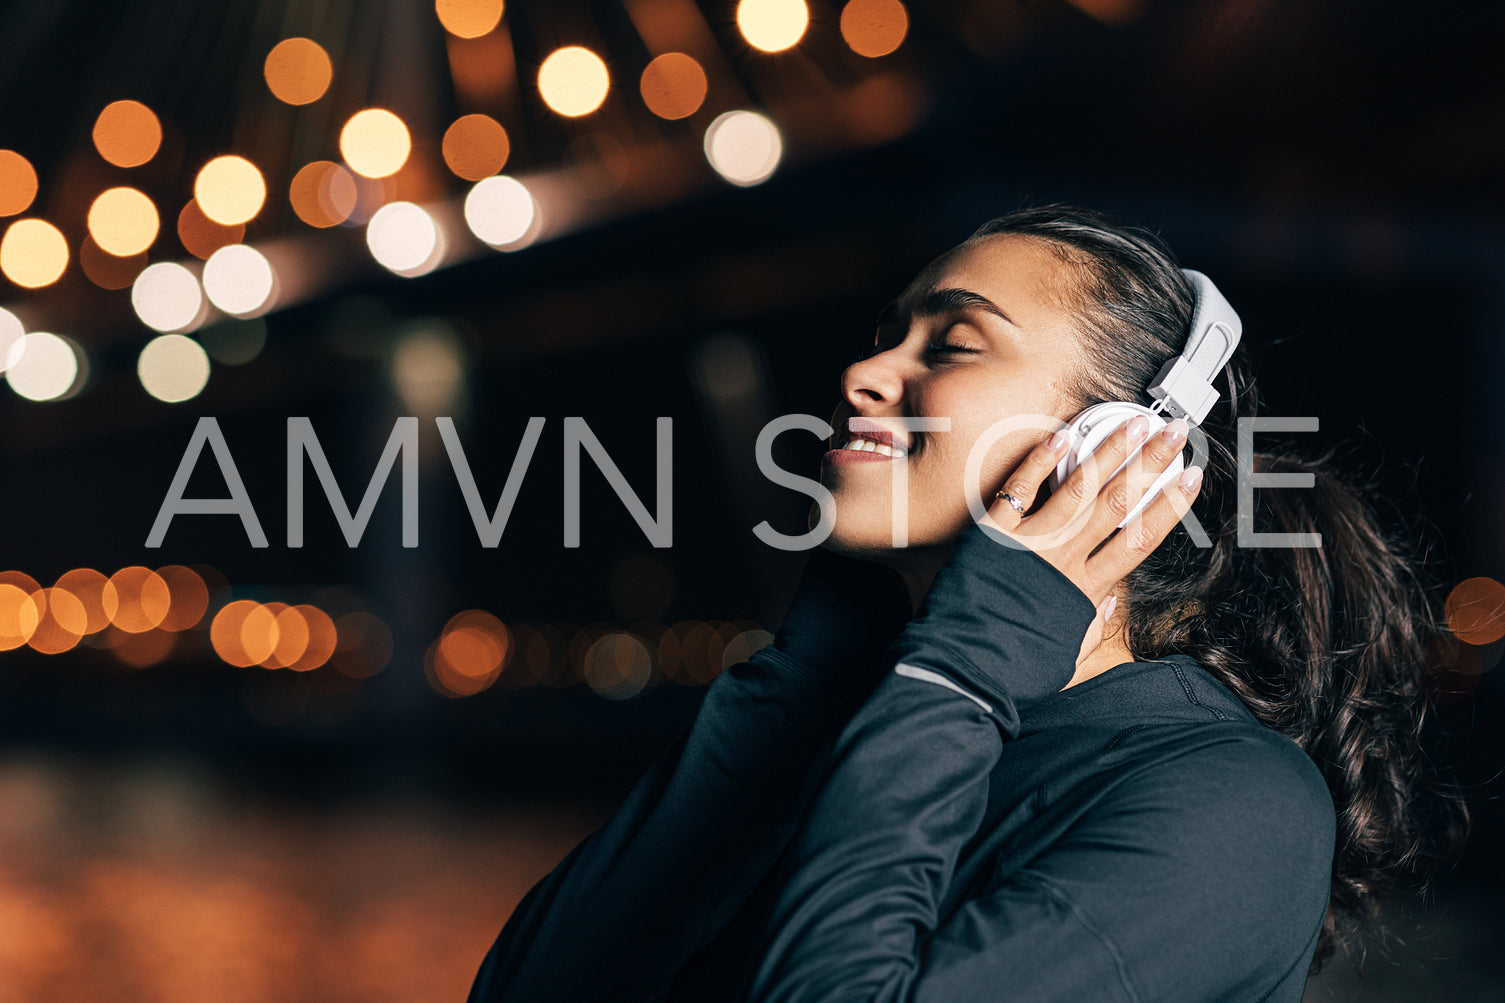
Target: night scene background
<point>329,772</point>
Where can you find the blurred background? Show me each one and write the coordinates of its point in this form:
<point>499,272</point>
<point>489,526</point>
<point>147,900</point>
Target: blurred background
<point>330,771</point>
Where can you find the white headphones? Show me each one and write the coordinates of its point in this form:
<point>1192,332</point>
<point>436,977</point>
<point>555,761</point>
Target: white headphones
<point>1183,388</point>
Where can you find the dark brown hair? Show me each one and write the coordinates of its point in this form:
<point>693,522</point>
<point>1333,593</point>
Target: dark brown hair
<point>1323,644</point>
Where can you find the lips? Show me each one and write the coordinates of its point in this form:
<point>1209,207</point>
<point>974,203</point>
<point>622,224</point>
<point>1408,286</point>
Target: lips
<point>868,439</point>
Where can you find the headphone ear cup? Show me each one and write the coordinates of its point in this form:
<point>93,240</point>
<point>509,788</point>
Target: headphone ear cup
<point>1092,427</point>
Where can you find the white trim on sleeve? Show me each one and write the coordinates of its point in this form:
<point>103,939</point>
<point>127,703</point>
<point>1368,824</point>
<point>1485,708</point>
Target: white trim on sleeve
<point>915,672</point>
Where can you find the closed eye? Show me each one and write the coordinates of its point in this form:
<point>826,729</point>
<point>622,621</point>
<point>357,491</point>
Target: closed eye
<point>950,348</point>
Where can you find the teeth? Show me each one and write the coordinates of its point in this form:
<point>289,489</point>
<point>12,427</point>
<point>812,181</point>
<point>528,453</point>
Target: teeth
<point>869,446</point>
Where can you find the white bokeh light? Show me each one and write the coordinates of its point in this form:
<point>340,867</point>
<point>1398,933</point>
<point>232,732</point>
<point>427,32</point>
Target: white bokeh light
<point>404,239</point>
<point>239,280</point>
<point>44,367</point>
<point>744,147</point>
<point>173,368</point>
<point>501,211</point>
<point>11,333</point>
<point>167,297</point>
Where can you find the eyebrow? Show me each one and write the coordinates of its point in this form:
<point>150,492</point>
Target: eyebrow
<point>937,301</point>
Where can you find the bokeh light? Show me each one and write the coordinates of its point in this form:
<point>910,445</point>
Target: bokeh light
<point>323,194</point>
<point>573,81</point>
<point>322,636</point>
<point>127,133</point>
<point>44,366</point>
<point>33,253</point>
<point>469,654</point>
<point>298,71</point>
<point>476,147</point>
<point>290,636</point>
<point>87,586</point>
<point>11,333</point>
<point>230,190</point>
<point>140,650</point>
<point>202,236</point>
<point>19,614</point>
<point>500,211</point>
<point>1476,610</point>
<point>468,18</point>
<point>404,238</point>
<point>18,183</point>
<point>173,368</point>
<point>428,369</point>
<point>363,646</point>
<point>123,222</point>
<point>618,665</point>
<point>744,147</point>
<point>375,143</point>
<point>166,296</point>
<point>239,280</point>
<point>188,597</point>
<point>106,270</point>
<point>673,86</point>
<point>225,632</point>
<point>136,599</point>
<point>259,633</point>
<point>874,28</point>
<point>62,622</point>
<point>772,25</point>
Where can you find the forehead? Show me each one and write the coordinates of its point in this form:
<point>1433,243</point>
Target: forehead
<point>1020,274</point>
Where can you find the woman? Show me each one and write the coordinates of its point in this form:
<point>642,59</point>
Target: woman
<point>1041,758</point>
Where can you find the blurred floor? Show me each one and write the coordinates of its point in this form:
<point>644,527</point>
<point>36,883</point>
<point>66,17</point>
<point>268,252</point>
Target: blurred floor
<point>154,883</point>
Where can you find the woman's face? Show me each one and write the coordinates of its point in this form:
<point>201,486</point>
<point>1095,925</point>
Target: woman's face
<point>981,335</point>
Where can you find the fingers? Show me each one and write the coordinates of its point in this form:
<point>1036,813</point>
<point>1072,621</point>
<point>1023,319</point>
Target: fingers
<point>1063,519</point>
<point>1121,494</point>
<point>1136,541</point>
<point>1024,482</point>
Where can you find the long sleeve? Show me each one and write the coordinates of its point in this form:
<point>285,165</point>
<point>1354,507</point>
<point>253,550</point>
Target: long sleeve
<point>1178,884</point>
<point>619,916</point>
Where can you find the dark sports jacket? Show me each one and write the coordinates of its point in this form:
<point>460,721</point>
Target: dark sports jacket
<point>858,817</point>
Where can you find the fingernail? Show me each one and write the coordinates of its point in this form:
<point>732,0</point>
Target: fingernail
<point>1139,428</point>
<point>1056,442</point>
<point>1190,478</point>
<point>1109,607</point>
<point>1175,432</point>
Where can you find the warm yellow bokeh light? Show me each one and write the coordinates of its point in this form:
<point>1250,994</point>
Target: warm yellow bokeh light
<point>123,222</point>
<point>298,71</point>
<point>468,18</point>
<point>18,183</point>
<point>673,86</point>
<point>44,366</point>
<point>375,143</point>
<point>230,190</point>
<point>173,368</point>
<point>476,147</point>
<point>573,81</point>
<point>874,28</point>
<point>33,253</point>
<point>772,25</point>
<point>127,133</point>
<point>744,147</point>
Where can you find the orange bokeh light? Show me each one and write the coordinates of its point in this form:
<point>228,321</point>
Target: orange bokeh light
<point>874,28</point>
<point>140,650</point>
<point>33,253</point>
<point>673,86</point>
<point>469,18</point>
<point>224,632</point>
<point>298,71</point>
<point>123,222</point>
<point>259,633</point>
<point>106,270</point>
<point>291,637</point>
<point>321,639</point>
<point>469,655</point>
<point>202,236</point>
<point>1476,610</point>
<point>136,599</point>
<point>189,597</point>
<point>18,183</point>
<point>127,133</point>
<point>476,147</point>
<point>88,586</point>
<point>19,614</point>
<point>323,194</point>
<point>62,623</point>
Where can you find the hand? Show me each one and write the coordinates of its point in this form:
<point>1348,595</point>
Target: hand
<point>1076,528</point>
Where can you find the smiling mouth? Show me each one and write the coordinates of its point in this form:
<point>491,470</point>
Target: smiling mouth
<point>860,444</point>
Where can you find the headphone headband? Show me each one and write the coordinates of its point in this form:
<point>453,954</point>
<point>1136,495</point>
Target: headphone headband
<point>1183,387</point>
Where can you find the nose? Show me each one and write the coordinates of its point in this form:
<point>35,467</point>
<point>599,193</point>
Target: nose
<point>876,379</point>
